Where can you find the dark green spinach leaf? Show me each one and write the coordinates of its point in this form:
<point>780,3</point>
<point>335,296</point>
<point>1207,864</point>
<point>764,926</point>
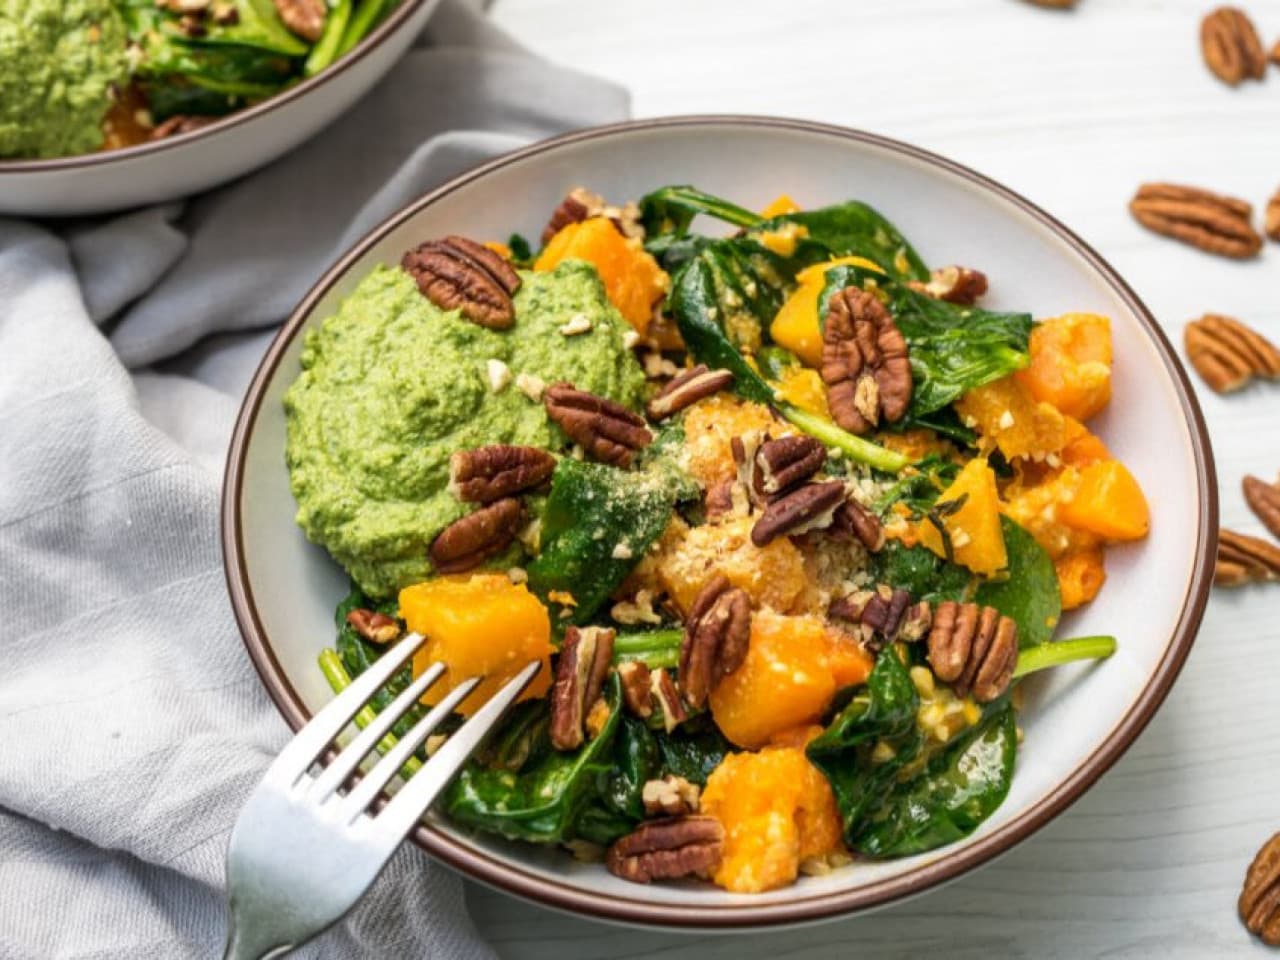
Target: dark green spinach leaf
<point>693,749</point>
<point>854,228</point>
<point>1029,594</point>
<point>921,572</point>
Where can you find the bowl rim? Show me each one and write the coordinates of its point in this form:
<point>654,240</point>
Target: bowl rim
<point>513,879</point>
<point>398,17</point>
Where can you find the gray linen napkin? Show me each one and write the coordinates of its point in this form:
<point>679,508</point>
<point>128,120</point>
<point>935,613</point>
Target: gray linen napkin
<point>131,723</point>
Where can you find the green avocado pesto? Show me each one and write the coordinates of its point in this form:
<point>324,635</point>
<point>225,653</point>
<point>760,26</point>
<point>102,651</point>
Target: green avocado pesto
<point>58,62</point>
<point>391,386</point>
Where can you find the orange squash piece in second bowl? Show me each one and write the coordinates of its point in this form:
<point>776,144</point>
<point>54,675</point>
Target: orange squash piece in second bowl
<point>478,624</point>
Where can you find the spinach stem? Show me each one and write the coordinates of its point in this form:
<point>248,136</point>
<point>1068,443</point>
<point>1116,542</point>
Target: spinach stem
<point>1057,652</point>
<point>657,648</point>
<point>863,451</point>
<point>327,48</point>
<point>333,670</point>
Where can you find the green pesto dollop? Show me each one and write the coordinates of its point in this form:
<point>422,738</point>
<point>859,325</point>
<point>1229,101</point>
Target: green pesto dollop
<point>58,62</point>
<point>391,386</point>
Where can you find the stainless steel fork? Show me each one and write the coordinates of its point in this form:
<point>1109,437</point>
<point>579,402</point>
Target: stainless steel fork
<point>303,851</point>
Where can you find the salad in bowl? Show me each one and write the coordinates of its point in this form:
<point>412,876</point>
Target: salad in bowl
<point>785,514</point>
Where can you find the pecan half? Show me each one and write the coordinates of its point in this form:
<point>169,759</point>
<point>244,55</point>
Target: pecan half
<point>1213,223</point>
<point>1259,903</point>
<point>954,284</point>
<point>887,614</point>
<point>854,520</point>
<point>864,362</point>
<point>469,541</point>
<point>716,635</point>
<point>686,389</point>
<point>667,850</point>
<point>584,661</point>
<point>1271,220</point>
<point>581,204</point>
<point>374,627</point>
<point>1243,559</point>
<point>1231,48</point>
<point>671,796</point>
<point>974,649</point>
<point>459,274</point>
<point>303,17</point>
<point>179,123</point>
<point>608,431</point>
<point>808,507</point>
<point>717,501</point>
<point>1228,354</point>
<point>498,470</point>
<point>666,699</point>
<point>1054,4</point>
<point>1264,500</point>
<point>637,695</point>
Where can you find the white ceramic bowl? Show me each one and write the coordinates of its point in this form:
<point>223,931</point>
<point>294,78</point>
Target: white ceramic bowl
<point>1078,720</point>
<point>228,148</point>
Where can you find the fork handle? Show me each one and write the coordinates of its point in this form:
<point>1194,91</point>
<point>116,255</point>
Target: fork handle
<point>241,947</point>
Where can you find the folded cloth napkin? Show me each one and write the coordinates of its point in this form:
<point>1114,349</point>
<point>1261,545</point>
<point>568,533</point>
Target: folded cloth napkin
<point>132,726</point>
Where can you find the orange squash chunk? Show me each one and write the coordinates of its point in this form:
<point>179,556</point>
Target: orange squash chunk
<point>804,388</point>
<point>849,661</point>
<point>478,624</point>
<point>777,810</point>
<point>796,324</point>
<point>1006,414</point>
<point>974,529</point>
<point>1081,575</point>
<point>1036,503</point>
<point>784,681</point>
<point>779,205</point>
<point>1071,364</point>
<point>1082,447</point>
<point>710,426</point>
<point>632,278</point>
<point>1108,502</point>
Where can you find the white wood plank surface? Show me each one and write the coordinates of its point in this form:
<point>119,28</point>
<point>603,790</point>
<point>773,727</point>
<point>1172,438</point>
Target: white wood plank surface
<point>1073,110</point>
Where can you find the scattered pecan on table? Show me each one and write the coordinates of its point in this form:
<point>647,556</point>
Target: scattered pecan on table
<point>498,470</point>
<point>1259,903</point>
<point>955,284</point>
<point>459,274</point>
<point>864,362</point>
<point>973,648</point>
<point>1271,220</point>
<point>811,506</point>
<point>607,431</point>
<point>1231,48</point>
<point>671,796</point>
<point>303,17</point>
<point>469,541</point>
<point>374,627</point>
<point>1209,221</point>
<point>1228,354</point>
<point>717,633</point>
<point>581,204</point>
<point>1243,559</point>
<point>1054,4</point>
<point>668,849</point>
<point>1264,500</point>
<point>686,389</point>
<point>584,661</point>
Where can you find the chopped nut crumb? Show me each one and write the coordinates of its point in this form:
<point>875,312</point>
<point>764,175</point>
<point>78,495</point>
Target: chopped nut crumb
<point>577,324</point>
<point>435,742</point>
<point>640,611</point>
<point>518,575</point>
<point>622,551</point>
<point>1006,420</point>
<point>499,374</point>
<point>630,339</point>
<point>656,365</point>
<point>531,386</point>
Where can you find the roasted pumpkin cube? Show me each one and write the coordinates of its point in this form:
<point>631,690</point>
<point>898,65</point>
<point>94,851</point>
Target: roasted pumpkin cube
<point>974,529</point>
<point>1081,575</point>
<point>1071,364</point>
<point>632,278</point>
<point>1108,502</point>
<point>1006,414</point>
<point>710,426</point>
<point>777,810</point>
<point>478,625</point>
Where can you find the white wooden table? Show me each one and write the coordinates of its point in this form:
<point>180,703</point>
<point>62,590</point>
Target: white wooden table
<point>1073,110</point>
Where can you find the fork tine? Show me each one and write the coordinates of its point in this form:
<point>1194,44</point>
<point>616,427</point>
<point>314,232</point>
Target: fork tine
<point>303,750</point>
<point>407,807</point>
<point>363,793</point>
<point>345,763</point>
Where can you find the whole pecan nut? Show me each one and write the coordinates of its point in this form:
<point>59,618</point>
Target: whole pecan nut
<point>1259,903</point>
<point>1212,222</point>
<point>955,284</point>
<point>1231,48</point>
<point>1271,220</point>
<point>498,470</point>
<point>686,389</point>
<point>637,695</point>
<point>973,649</point>
<point>606,430</point>
<point>584,661</point>
<point>469,541</point>
<point>886,613</point>
<point>854,520</point>
<point>864,362</point>
<point>1228,354</point>
<point>459,274</point>
<point>303,17</point>
<point>1264,500</point>
<point>1243,559</point>
<point>808,507</point>
<point>671,796</point>
<point>668,849</point>
<point>374,627</point>
<point>581,204</point>
<point>717,633</point>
